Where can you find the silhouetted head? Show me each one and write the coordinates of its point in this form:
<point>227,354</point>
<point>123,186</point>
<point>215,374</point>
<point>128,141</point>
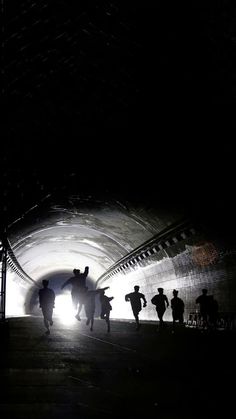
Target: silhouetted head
<point>136,288</point>
<point>204,291</point>
<point>76,271</point>
<point>160,290</point>
<point>175,292</point>
<point>45,283</point>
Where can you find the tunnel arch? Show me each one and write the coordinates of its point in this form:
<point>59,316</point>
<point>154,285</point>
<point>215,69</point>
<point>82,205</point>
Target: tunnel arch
<point>88,231</point>
<point>78,232</point>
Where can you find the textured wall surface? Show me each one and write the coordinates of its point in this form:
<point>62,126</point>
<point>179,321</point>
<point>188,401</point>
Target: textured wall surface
<point>189,269</point>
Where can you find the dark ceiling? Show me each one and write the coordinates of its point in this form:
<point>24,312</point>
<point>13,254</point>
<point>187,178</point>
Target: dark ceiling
<point>97,67</point>
<point>128,101</point>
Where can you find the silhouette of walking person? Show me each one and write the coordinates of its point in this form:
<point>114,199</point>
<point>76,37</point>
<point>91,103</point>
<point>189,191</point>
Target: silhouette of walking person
<point>105,307</point>
<point>203,301</point>
<point>161,302</point>
<point>177,306</point>
<point>47,303</point>
<point>136,304</point>
<point>90,304</point>
<point>78,289</point>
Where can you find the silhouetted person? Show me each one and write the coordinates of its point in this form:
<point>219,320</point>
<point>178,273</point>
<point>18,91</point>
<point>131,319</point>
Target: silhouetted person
<point>161,302</point>
<point>90,304</point>
<point>212,311</point>
<point>47,303</point>
<point>136,303</point>
<point>203,301</point>
<point>105,307</point>
<point>78,288</point>
<point>177,306</point>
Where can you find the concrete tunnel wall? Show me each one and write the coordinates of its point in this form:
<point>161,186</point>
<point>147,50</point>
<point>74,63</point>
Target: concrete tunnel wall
<point>213,267</point>
<point>55,249</point>
<point>182,271</point>
<point>76,232</point>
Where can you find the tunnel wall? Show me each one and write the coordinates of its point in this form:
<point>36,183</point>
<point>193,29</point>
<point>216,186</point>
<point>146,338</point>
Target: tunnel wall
<point>186,267</point>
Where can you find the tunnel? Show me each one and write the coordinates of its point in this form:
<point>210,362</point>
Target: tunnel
<point>117,153</point>
<point>124,245</point>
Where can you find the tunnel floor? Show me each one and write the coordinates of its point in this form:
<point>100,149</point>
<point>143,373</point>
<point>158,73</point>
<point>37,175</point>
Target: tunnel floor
<point>75,373</point>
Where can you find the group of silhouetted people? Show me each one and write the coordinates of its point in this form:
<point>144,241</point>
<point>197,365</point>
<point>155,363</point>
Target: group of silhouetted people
<point>83,297</point>
<point>160,301</point>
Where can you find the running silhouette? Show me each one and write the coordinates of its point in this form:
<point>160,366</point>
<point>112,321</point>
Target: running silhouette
<point>105,307</point>
<point>47,303</point>
<point>90,304</point>
<point>78,289</point>
<point>177,306</point>
<point>136,304</point>
<point>161,302</point>
<point>203,301</point>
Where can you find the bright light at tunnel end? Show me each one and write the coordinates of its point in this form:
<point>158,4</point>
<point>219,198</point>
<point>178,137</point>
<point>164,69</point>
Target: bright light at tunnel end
<point>64,309</point>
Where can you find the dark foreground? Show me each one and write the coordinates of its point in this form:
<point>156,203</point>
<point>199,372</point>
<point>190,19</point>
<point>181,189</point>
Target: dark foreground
<point>75,373</point>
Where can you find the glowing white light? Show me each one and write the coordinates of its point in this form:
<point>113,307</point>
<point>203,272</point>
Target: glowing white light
<point>14,299</point>
<point>64,309</point>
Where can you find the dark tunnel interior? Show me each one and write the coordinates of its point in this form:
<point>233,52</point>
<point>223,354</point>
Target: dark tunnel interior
<point>117,153</point>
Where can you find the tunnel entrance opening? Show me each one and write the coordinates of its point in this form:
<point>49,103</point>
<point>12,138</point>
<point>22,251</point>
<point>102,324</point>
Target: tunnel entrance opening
<point>63,300</point>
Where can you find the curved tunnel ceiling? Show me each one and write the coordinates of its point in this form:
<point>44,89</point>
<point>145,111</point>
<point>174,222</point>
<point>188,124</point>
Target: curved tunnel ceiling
<point>98,112</point>
<point>83,231</point>
<point>94,218</point>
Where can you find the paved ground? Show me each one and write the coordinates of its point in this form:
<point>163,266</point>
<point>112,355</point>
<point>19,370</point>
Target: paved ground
<point>75,373</point>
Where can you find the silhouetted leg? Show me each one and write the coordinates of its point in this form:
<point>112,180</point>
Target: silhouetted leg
<point>79,311</point>
<point>204,320</point>
<point>74,301</point>
<point>137,321</point>
<point>46,323</point>
<point>108,322</point>
<point>160,316</point>
<point>91,325</point>
<point>49,316</point>
<point>173,325</point>
<point>45,320</point>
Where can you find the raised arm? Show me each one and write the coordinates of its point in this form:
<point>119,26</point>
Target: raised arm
<point>86,271</point>
<point>102,289</point>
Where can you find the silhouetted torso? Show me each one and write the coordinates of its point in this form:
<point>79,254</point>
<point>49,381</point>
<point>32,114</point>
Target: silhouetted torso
<point>177,306</point>
<point>46,298</point>
<point>160,301</point>
<point>135,300</point>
